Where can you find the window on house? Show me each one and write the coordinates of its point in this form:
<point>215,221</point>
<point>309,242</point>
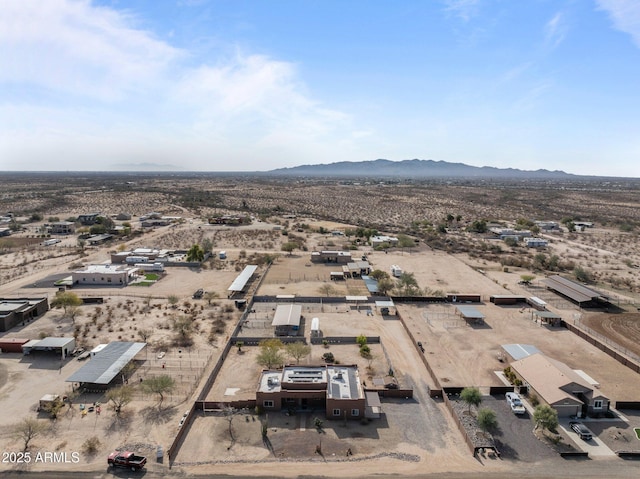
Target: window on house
<point>337,412</point>
<point>355,412</point>
<point>597,404</point>
<point>267,403</point>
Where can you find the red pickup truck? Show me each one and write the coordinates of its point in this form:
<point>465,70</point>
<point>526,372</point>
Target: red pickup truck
<point>126,459</point>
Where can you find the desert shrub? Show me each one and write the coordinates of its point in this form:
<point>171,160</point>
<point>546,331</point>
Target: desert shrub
<point>329,358</point>
<point>91,445</point>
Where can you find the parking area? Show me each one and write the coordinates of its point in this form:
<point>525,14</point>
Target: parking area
<point>515,439</point>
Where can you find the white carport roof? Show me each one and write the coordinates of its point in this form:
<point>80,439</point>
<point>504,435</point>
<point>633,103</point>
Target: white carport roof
<point>241,280</point>
<point>101,369</point>
<point>287,315</point>
<point>385,304</point>
<point>357,298</point>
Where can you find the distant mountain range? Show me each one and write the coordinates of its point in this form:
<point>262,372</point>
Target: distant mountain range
<point>415,169</point>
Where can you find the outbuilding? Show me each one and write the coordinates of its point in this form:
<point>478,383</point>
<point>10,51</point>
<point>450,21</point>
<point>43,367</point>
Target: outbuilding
<point>60,346</point>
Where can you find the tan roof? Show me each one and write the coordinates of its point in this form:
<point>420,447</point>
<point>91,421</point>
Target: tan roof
<point>552,379</point>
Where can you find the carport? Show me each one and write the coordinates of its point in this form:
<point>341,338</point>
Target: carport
<point>103,368</point>
<point>61,346</point>
<point>470,314</point>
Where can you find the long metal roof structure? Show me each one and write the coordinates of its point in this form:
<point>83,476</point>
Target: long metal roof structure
<point>102,368</point>
<point>571,289</point>
<point>241,280</point>
<point>287,315</point>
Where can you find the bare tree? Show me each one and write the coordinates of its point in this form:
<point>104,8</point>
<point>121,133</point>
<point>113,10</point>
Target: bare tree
<point>28,429</point>
<point>327,289</point>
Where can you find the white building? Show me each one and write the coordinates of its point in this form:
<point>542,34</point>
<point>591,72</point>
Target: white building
<point>104,274</point>
<point>380,240</point>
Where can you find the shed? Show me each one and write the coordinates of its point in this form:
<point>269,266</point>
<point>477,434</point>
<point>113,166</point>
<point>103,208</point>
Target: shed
<point>464,298</point>
<point>61,346</point>
<point>507,299</point>
<point>12,345</point>
<point>287,319</point>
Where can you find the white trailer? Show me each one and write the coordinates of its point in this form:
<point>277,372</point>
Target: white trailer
<point>396,271</point>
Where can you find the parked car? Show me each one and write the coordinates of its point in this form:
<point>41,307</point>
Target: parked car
<point>198,294</point>
<point>126,459</point>
<point>84,356</point>
<point>581,430</point>
<point>515,403</point>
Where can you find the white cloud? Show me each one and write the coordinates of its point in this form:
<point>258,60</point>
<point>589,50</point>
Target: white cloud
<point>555,30</point>
<point>91,84</point>
<point>464,9</point>
<point>625,15</point>
<point>79,49</point>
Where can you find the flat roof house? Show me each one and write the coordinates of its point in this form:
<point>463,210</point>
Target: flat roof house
<point>14,311</point>
<point>104,274</point>
<point>336,388</point>
<point>327,256</point>
<point>62,228</point>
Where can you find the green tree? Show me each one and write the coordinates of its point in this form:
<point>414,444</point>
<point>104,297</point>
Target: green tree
<point>378,274</point>
<point>582,274</point>
<point>545,417</point>
<point>120,396</point>
<point>297,350</point>
<point>270,353</point>
<point>159,385</point>
<point>66,300</point>
<point>239,345</point>
<point>195,254</point>
<point>527,278</point>
<point>487,420</point>
<point>361,340</point>
<point>478,226</point>
<point>385,285</point>
<point>289,246</point>
<point>471,396</point>
<point>98,229</point>
<point>28,429</point>
<point>408,285</point>
<point>405,241</point>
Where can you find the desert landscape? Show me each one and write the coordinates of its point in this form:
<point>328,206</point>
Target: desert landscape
<point>207,422</point>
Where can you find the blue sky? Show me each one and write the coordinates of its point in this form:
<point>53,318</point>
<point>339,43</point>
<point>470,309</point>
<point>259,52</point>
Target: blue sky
<point>233,85</point>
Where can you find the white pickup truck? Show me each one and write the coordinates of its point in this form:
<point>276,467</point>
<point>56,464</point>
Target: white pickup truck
<point>516,403</point>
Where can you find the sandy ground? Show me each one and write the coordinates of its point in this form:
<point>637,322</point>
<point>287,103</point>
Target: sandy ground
<point>414,438</point>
